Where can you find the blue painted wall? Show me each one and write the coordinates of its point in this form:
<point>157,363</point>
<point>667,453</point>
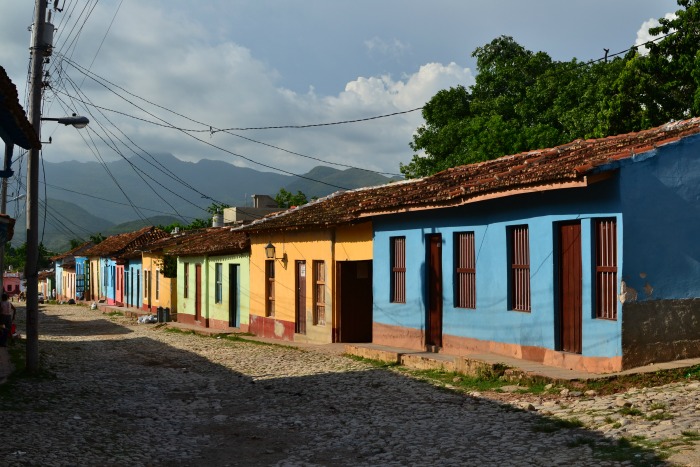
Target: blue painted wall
<point>59,277</point>
<point>492,320</point>
<point>80,265</point>
<point>661,205</point>
<point>134,286</point>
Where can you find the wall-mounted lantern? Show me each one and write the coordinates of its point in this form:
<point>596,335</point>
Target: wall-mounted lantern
<point>270,253</point>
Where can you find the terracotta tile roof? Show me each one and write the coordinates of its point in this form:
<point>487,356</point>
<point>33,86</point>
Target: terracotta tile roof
<point>569,164</point>
<point>77,251</point>
<point>13,120</point>
<point>124,244</point>
<point>211,241</point>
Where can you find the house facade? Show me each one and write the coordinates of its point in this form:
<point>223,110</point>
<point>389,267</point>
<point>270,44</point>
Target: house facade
<point>108,262</point>
<point>213,285</point>
<point>581,256</point>
<point>310,273</point>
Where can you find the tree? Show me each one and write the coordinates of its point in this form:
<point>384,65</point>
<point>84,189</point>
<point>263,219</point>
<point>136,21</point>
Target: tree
<point>15,258</point>
<point>97,238</point>
<point>217,208</point>
<point>286,199</point>
<point>523,100</point>
<point>75,243</point>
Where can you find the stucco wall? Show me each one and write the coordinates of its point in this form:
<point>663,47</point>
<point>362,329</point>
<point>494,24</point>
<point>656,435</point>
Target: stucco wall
<point>492,320</point>
<point>661,208</point>
<point>164,286</point>
<point>186,305</point>
<point>218,313</point>
<point>298,246</point>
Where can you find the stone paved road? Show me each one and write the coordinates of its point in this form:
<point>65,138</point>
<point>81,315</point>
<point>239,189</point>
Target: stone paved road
<point>130,394</point>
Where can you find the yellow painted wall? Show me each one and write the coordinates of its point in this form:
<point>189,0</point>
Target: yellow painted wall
<point>95,279</point>
<point>353,242</point>
<point>348,243</point>
<point>152,265</point>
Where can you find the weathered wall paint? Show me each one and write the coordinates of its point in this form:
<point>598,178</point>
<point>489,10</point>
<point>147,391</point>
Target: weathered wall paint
<point>660,195</point>
<point>492,320</point>
<point>297,246</point>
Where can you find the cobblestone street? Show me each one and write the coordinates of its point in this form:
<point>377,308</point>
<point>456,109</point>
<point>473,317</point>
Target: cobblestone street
<point>122,393</point>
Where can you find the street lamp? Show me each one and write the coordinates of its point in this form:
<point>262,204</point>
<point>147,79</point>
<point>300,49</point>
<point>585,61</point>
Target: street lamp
<point>77,121</point>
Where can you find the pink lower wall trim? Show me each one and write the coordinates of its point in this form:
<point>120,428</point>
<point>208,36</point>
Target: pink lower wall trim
<point>414,339</point>
<point>270,327</point>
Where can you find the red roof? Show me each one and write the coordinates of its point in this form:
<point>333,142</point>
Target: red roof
<point>571,164</point>
<point>211,241</point>
<point>75,251</point>
<point>123,244</point>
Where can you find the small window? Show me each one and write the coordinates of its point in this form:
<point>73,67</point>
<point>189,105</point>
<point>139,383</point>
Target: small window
<point>157,284</point>
<point>270,288</point>
<point>465,270</point>
<point>218,293</point>
<point>398,269</point>
<point>146,282</point>
<point>606,268</point>
<point>520,268</point>
<point>186,280</point>
<point>319,293</point>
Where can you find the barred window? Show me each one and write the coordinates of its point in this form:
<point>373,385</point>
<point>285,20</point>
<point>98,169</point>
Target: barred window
<point>465,270</point>
<point>398,269</point>
<point>520,268</point>
<point>606,268</point>
<point>319,292</point>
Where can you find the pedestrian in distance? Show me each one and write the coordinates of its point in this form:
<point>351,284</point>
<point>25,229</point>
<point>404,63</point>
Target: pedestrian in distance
<point>7,316</point>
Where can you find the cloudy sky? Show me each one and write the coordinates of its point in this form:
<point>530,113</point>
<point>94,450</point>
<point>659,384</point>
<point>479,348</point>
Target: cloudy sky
<point>260,63</point>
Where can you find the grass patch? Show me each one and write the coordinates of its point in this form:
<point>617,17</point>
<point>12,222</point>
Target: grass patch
<point>457,380</point>
<point>632,411</point>
<point>112,314</point>
<point>690,435</point>
<point>550,425</point>
<point>374,363</point>
<point>628,450</point>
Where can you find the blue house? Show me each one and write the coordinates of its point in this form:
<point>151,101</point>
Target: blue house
<point>113,258</point>
<point>583,256</point>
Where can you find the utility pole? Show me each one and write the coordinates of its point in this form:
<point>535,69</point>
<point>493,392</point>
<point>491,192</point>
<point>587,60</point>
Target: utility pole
<point>9,147</point>
<point>31,268</point>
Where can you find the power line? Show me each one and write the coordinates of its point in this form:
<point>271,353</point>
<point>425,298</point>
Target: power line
<point>212,130</point>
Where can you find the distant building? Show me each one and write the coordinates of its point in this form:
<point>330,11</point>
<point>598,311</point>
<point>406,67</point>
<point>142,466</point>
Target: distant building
<point>263,205</point>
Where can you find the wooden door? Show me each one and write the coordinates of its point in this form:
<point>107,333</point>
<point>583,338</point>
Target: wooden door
<point>300,314</point>
<point>354,298</point>
<point>570,287</point>
<point>197,292</point>
<point>233,295</point>
<point>434,290</point>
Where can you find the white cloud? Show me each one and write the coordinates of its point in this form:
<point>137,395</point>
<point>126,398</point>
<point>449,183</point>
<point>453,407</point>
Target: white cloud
<point>643,35</point>
<point>222,84</point>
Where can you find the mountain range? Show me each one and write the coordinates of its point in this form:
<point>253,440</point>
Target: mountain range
<point>85,198</point>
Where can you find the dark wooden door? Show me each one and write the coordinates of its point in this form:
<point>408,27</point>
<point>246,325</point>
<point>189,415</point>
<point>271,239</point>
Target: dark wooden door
<point>197,292</point>
<point>570,287</point>
<point>434,289</point>
<point>300,314</point>
<point>233,295</point>
<point>354,298</point>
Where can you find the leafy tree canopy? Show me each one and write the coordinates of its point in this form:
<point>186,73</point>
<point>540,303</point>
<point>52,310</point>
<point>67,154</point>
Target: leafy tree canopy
<point>524,100</point>
<point>285,199</point>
